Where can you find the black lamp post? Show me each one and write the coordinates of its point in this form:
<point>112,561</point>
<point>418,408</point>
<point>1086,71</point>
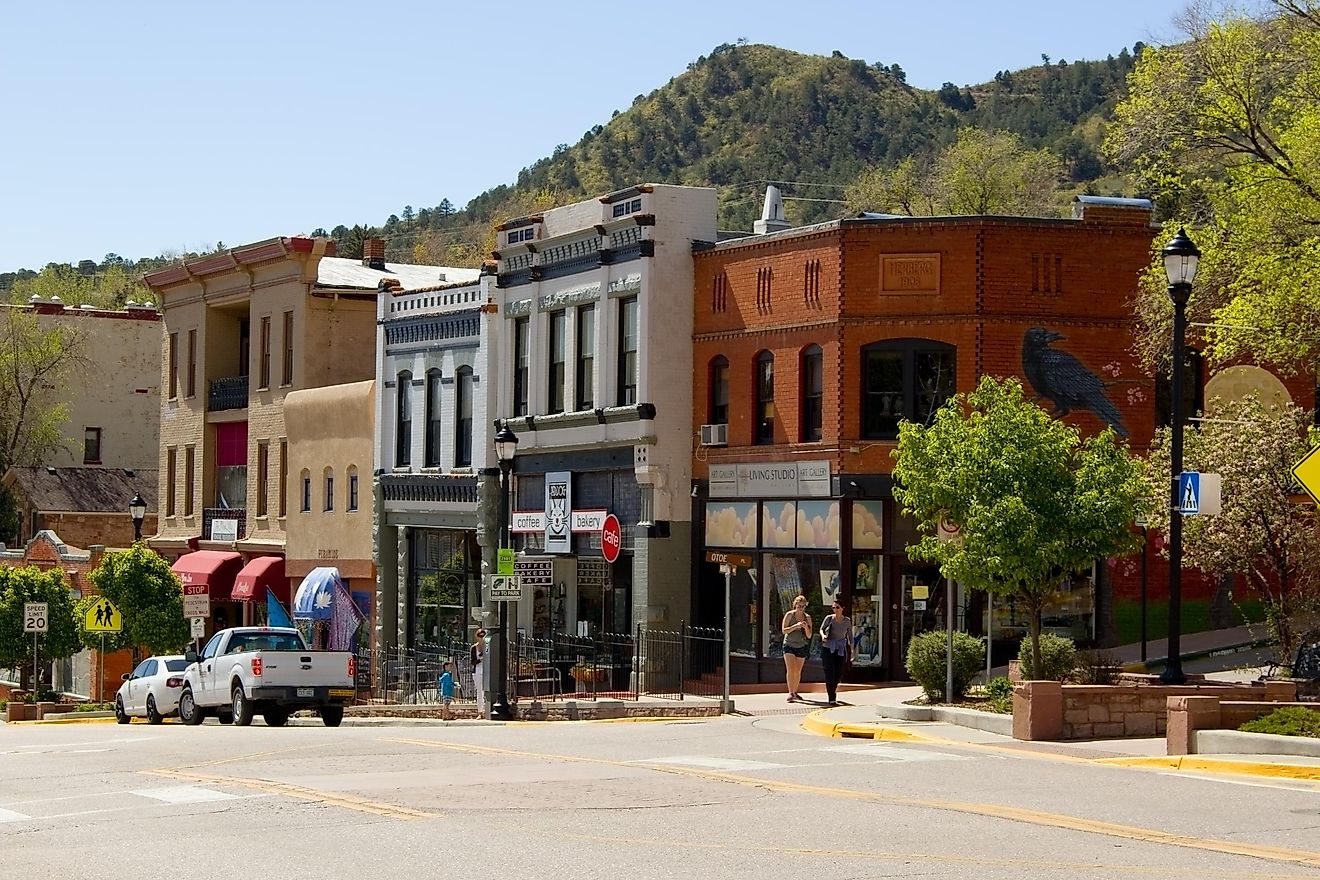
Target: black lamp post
<point>137,509</point>
<point>1180,258</point>
<point>506,447</point>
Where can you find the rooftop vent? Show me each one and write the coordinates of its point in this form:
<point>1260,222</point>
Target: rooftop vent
<point>772,214</point>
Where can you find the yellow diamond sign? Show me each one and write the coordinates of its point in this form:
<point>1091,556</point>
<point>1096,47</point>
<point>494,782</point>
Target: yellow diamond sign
<point>1307,472</point>
<point>103,617</point>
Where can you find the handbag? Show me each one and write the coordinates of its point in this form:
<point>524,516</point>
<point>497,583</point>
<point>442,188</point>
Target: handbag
<point>825,634</point>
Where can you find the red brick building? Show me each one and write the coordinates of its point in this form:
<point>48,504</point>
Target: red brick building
<point>810,345</point>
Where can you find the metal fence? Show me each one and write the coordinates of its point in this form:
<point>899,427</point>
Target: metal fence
<point>671,664</point>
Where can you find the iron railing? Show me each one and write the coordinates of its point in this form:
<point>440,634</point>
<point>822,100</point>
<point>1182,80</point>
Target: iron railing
<point>227,393</point>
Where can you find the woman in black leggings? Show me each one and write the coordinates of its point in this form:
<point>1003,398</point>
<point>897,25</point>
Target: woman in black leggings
<point>836,647</point>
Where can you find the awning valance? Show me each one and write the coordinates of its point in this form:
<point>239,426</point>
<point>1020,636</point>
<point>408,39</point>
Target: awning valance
<point>213,569</point>
<point>259,575</point>
<point>315,598</point>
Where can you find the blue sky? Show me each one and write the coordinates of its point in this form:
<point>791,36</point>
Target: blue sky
<point>143,128</point>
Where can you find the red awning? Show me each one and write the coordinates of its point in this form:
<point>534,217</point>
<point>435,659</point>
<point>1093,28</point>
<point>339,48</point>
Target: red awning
<point>260,574</point>
<point>213,569</point>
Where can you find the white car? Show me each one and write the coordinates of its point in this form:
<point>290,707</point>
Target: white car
<point>151,690</point>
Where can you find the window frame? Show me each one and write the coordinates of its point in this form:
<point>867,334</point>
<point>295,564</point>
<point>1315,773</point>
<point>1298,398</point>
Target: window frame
<point>628,361</point>
<point>192,363</point>
<point>283,505</point>
<point>174,366</point>
<point>584,390</point>
<point>717,371</point>
<point>908,350</point>
<point>763,399</point>
<point>522,329</point>
<point>306,501</point>
<point>263,478</point>
<point>352,502</point>
<point>556,361</point>
<point>263,365</point>
<point>328,489</point>
<point>463,393</point>
<point>403,419</point>
<point>171,478</point>
<point>189,476</point>
<point>811,375</point>
<point>91,445</point>
<point>434,406</point>
<point>287,366</point>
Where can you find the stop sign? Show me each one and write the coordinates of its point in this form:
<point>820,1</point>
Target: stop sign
<point>611,538</point>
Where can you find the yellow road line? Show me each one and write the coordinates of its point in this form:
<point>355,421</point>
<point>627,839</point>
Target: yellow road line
<point>998,811</point>
<point>348,802</point>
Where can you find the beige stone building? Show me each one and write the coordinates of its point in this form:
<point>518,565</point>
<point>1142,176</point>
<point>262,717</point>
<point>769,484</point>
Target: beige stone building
<point>244,329</point>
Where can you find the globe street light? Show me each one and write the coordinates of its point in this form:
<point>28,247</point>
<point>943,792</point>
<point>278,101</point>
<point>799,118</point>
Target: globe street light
<point>506,447</point>
<point>137,509</point>
<point>1180,259</point>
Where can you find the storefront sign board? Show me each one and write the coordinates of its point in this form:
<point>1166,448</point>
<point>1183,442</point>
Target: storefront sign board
<point>787,479</point>
<point>558,505</point>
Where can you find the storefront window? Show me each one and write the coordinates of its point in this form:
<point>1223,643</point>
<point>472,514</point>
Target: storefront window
<point>744,611</point>
<point>814,576</point>
<point>1069,611</point>
<point>868,610</point>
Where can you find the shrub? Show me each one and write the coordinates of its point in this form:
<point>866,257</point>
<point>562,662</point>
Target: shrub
<point>1058,658</point>
<point>926,663</point>
<point>1097,667</point>
<point>1288,721</point>
<point>1000,693</point>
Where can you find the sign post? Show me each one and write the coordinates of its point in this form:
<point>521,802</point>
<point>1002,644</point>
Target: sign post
<point>729,563</point>
<point>35,621</point>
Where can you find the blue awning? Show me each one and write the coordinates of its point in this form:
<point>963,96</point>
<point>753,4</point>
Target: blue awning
<point>315,599</point>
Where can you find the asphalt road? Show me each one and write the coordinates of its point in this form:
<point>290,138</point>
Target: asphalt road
<point>728,797</point>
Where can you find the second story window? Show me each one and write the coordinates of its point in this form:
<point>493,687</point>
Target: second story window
<point>555,365</point>
<point>192,363</point>
<point>329,476</point>
<point>765,398</point>
<point>171,482</point>
<point>403,420</point>
<point>628,343</point>
<point>586,357</point>
<point>263,477</point>
<point>352,488</point>
<point>263,367</point>
<point>306,503</point>
<point>904,380</point>
<point>463,417</point>
<point>91,445</point>
<point>813,393</point>
<point>521,333</point>
<point>432,455</point>
<point>174,366</point>
<point>718,410</point>
<point>287,377</point>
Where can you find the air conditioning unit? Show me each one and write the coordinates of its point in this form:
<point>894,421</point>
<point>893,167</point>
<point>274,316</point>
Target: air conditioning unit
<point>714,435</point>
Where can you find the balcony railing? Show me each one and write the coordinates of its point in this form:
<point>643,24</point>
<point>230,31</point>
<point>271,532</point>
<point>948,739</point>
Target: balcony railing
<point>230,393</point>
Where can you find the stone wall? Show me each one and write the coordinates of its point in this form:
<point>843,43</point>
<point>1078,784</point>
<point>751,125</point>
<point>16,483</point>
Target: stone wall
<point>1049,710</point>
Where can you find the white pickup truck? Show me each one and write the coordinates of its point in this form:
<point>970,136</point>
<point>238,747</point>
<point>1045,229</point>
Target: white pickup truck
<point>247,670</point>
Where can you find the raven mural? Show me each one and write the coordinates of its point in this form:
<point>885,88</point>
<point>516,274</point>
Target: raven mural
<point>1065,380</point>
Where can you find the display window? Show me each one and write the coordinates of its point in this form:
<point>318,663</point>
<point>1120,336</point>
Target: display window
<point>815,576</point>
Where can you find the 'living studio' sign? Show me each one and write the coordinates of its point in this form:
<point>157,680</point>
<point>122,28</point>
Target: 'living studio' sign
<point>794,479</point>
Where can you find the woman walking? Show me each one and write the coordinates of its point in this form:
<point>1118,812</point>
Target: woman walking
<point>796,628</point>
<point>836,647</point>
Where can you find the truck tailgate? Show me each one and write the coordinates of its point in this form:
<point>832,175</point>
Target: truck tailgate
<point>305,669</point>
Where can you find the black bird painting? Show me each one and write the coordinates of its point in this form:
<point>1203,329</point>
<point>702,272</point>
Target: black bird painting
<point>1065,380</point>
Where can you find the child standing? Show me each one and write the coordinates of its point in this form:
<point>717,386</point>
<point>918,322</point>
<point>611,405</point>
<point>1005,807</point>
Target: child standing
<point>446,688</point>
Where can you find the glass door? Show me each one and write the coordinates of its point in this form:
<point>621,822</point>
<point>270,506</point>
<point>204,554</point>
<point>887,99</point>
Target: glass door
<point>921,607</point>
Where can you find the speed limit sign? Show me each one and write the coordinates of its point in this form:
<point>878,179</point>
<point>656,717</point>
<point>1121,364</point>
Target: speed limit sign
<point>34,617</point>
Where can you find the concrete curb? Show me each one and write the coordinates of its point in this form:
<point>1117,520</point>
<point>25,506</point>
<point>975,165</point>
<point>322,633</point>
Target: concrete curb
<point>1198,764</point>
<point>816,723</point>
<point>990,722</point>
<point>1235,742</point>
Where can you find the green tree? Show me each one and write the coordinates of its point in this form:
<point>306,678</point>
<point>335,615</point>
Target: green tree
<point>37,362</point>
<point>19,586</point>
<point>148,595</point>
<point>1223,130</point>
<point>1260,534</point>
<point>1033,500</point>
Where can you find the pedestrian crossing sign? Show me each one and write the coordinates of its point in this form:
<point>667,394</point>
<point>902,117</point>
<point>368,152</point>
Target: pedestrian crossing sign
<point>103,617</point>
<point>1199,494</point>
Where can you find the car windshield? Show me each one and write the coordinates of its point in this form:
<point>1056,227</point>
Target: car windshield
<point>176,665</point>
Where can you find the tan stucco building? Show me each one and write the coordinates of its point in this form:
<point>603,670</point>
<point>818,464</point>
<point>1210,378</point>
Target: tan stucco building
<point>244,329</point>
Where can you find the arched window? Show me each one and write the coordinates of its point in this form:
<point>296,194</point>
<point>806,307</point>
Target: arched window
<point>352,488</point>
<point>463,417</point>
<point>432,455</point>
<point>812,381</point>
<point>306,503</point>
<point>717,410</point>
<point>403,420</point>
<point>904,380</point>
<point>329,483</point>
<point>764,416</point>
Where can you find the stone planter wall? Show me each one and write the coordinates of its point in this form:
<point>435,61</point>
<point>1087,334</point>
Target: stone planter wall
<point>1187,715</point>
<point>1049,710</point>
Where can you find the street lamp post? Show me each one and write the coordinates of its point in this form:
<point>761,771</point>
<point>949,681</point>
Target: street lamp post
<point>1180,260</point>
<point>137,509</point>
<point>506,447</point>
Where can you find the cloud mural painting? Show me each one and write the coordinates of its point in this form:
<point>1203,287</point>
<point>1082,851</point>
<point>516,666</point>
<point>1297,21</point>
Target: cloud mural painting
<point>731,524</point>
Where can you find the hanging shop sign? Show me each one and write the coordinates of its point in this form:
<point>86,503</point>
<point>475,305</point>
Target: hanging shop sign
<point>558,505</point>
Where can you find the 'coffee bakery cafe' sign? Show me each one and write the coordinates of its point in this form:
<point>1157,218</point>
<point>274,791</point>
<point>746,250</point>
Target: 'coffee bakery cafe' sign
<point>786,479</point>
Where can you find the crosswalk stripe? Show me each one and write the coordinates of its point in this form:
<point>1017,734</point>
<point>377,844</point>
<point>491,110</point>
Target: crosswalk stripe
<point>11,816</point>
<point>184,794</point>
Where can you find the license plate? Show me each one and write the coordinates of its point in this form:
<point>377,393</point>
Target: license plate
<point>306,692</point>
<point>341,692</point>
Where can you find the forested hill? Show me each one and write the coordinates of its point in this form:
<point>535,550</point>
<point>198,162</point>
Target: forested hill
<point>747,114</point>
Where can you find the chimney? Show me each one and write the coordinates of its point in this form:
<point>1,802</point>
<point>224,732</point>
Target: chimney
<point>373,253</point>
<point>772,215</point>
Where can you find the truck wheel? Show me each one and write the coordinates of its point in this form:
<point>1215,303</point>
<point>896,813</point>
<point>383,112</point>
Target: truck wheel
<point>331,716</point>
<point>189,711</point>
<point>276,717</point>
<point>242,706</point>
